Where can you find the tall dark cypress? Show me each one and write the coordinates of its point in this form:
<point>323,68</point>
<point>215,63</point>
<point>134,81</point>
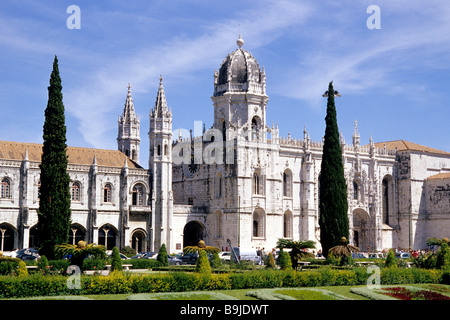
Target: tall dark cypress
<point>54,201</point>
<point>333,218</point>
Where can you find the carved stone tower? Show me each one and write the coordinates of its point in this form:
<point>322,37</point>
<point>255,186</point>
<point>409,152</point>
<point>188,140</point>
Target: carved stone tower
<point>239,97</point>
<point>160,166</point>
<point>128,138</point>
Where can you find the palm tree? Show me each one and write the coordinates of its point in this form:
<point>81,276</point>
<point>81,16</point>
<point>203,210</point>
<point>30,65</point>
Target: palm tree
<point>79,251</point>
<point>342,250</point>
<point>201,246</point>
<point>298,251</point>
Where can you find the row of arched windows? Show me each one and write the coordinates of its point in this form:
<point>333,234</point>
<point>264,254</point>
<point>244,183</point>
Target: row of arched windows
<point>138,192</point>
<point>107,236</point>
<point>259,179</point>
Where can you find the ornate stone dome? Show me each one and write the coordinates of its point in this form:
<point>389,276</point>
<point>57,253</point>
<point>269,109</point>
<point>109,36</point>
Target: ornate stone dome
<point>239,72</point>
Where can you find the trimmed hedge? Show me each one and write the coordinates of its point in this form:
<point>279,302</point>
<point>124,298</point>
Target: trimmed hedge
<point>118,282</point>
<point>12,266</point>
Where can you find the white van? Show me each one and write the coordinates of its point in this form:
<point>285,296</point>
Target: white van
<point>246,254</point>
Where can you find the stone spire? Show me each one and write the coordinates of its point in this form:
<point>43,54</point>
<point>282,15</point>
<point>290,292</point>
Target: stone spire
<point>129,114</point>
<point>356,135</point>
<point>161,103</point>
<point>128,138</point>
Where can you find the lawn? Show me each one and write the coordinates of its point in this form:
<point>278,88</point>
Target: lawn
<point>317,293</point>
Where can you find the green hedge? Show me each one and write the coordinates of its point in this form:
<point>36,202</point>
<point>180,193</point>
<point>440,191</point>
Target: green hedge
<point>118,282</point>
<point>12,266</point>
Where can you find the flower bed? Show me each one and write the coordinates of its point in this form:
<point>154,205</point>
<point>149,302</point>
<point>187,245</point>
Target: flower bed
<point>407,293</point>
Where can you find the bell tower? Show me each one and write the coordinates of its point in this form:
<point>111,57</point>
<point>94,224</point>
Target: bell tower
<point>128,138</point>
<point>160,167</point>
<point>240,98</point>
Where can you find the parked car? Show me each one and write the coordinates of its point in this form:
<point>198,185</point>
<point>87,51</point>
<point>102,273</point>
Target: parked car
<point>189,258</point>
<point>247,254</point>
<point>175,260</point>
<point>122,256</point>
<point>376,255</point>
<point>225,255</point>
<point>358,255</point>
<point>28,254</point>
<point>403,255</point>
<point>145,255</point>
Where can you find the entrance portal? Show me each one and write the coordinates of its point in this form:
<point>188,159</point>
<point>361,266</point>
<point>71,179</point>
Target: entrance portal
<point>361,229</point>
<point>193,232</point>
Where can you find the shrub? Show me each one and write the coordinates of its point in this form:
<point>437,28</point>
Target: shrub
<point>216,262</point>
<point>43,264</point>
<point>270,261</point>
<point>285,261</point>
<point>58,265</point>
<point>128,251</point>
<point>202,265</point>
<point>443,256</point>
<point>162,256</point>
<point>391,261</point>
<point>116,261</point>
<point>144,263</point>
<point>12,266</point>
<point>93,264</point>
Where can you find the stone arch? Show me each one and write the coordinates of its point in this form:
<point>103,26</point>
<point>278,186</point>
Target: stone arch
<point>8,237</point>
<point>33,241</point>
<point>218,224</point>
<point>361,232</point>
<point>288,225</point>
<point>256,127</point>
<point>287,183</point>
<point>193,232</point>
<point>258,223</point>
<point>139,239</point>
<point>108,236</point>
<point>77,233</point>
<point>387,197</point>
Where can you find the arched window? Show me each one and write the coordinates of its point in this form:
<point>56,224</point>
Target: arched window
<point>258,223</point>
<point>7,235</point>
<point>287,183</point>
<point>386,192</point>
<point>75,191</point>
<point>355,190</point>
<point>258,183</point>
<point>158,152</point>
<point>224,130</point>
<point>107,236</point>
<point>6,188</point>
<point>287,224</point>
<point>107,190</point>
<point>138,195</point>
<point>218,222</point>
<point>256,126</point>
<point>77,233</point>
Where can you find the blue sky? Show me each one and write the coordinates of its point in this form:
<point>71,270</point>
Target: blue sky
<point>394,81</point>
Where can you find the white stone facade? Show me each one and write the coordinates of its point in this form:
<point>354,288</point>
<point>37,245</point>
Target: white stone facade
<point>240,181</point>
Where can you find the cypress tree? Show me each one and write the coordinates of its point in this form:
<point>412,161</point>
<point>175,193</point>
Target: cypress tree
<point>162,255</point>
<point>54,201</point>
<point>333,218</point>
